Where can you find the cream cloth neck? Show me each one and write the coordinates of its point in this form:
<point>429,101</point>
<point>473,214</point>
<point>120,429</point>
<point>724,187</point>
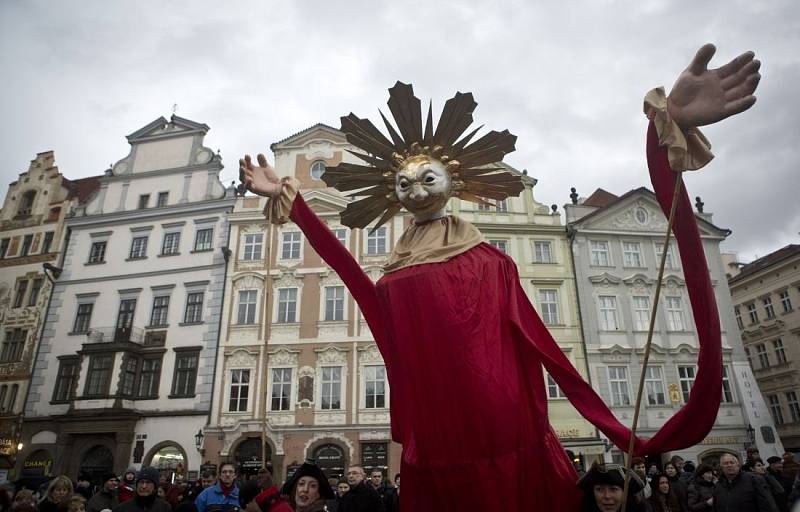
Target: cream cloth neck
<point>433,242</point>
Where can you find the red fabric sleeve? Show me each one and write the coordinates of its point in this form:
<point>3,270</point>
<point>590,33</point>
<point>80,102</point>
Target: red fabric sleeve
<point>695,419</point>
<point>337,256</point>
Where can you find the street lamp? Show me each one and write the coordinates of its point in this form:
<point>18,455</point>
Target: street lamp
<point>198,439</point>
<point>751,434</point>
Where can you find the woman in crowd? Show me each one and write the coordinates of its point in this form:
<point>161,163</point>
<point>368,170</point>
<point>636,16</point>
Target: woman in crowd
<point>58,493</point>
<point>677,485</point>
<point>308,489</point>
<point>603,486</point>
<point>663,498</point>
<point>775,487</point>
<point>701,490</point>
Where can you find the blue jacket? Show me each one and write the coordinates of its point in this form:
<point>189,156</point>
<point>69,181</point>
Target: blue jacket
<point>212,500</point>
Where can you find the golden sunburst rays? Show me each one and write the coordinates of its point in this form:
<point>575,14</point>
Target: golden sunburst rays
<point>468,162</point>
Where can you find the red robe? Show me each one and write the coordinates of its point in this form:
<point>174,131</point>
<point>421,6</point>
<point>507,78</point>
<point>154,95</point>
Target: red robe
<point>464,351</point>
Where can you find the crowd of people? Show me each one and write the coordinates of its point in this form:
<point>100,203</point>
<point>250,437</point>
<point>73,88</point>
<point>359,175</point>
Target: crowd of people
<point>147,490</point>
<point>679,486</point>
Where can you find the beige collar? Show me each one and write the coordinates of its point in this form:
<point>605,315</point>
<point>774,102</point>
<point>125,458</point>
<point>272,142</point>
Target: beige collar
<point>433,242</point>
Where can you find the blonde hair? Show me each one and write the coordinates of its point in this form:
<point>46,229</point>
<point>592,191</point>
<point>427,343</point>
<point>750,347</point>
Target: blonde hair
<point>59,481</point>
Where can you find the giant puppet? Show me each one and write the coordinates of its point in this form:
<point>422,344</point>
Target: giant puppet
<point>463,347</point>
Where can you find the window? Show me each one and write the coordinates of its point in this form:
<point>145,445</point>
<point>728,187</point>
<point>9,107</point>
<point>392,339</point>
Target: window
<point>608,313</point>
<point>162,199</point>
<point>287,305</point>
<point>334,303</point>
<point>727,392</point>
<point>148,378</point>
<point>768,309</point>
<point>641,312</point>
<point>484,207</point>
<point>752,313</point>
<point>675,320</point>
<point>290,248</point>
<point>738,314</point>
<point>98,252</point>
<point>4,247</point>
<point>780,353</point>
<point>12,398</point>
<point>185,374</point>
<point>13,345</point>
<point>794,407</point>
<point>763,357</point>
<point>686,376</point>
<point>749,358</point>
<point>375,386</point>
<point>548,304</point>
<point>600,256</point>
<point>144,201</point>
<point>171,245</point>
<point>27,241</point>
<point>341,235</point>
<point>202,239</point>
<point>640,214</point>
<point>36,288</point>
<point>376,241</point>
<point>158,316</point>
<point>281,389</point>
<point>19,297</point>
<point>240,390</point>
<point>654,386</point>
<point>83,318</point>
<point>618,384</point>
<point>67,379</point>
<point>127,308</point>
<point>317,170</point>
<point>502,206</point>
<point>786,302</point>
<point>47,243</point>
<point>194,308</point>
<point>631,254</point>
<point>332,387</point>
<point>553,390</point>
<point>252,246</point>
<point>670,262</point>
<point>138,248</point>
<point>99,377</point>
<point>500,245</point>
<point>130,366</point>
<point>248,300</point>
<point>542,252</point>
<point>775,409</point>
<point>26,203</point>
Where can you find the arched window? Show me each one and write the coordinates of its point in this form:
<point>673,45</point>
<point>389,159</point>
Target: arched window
<point>317,170</point>
<point>330,458</point>
<point>26,203</point>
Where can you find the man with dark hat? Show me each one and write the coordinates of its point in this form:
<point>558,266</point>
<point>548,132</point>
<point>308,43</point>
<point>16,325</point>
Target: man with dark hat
<point>604,485</point>
<point>146,498</point>
<point>106,497</point>
<point>83,485</point>
<point>308,489</point>
<point>253,499</point>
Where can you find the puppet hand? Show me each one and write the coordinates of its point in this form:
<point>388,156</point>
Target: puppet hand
<point>260,180</point>
<point>704,96</point>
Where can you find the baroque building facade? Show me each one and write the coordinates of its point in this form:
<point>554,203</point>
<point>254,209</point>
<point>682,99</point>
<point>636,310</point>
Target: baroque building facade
<point>766,295</point>
<point>297,364</point>
<point>616,245</point>
<point>128,348</point>
<point>31,236</point>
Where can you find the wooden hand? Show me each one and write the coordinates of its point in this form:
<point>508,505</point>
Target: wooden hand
<point>260,180</point>
<point>703,96</point>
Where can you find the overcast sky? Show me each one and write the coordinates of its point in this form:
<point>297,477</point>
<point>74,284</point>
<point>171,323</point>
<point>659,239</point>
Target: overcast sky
<point>567,78</point>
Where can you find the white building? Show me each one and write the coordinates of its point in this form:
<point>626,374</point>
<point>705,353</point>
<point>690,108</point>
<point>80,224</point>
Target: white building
<point>124,373</point>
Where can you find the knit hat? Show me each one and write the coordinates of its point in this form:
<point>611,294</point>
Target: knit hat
<point>314,471</point>
<point>148,473</point>
<point>609,474</point>
<point>109,476</point>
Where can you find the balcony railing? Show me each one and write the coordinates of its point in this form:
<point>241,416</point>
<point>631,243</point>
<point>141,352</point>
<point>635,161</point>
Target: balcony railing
<point>115,334</point>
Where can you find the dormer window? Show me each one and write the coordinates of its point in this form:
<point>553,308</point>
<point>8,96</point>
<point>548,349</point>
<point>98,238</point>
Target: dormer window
<point>317,170</point>
<point>26,203</point>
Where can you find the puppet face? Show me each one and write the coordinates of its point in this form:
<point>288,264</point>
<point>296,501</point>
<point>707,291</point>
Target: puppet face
<point>423,186</point>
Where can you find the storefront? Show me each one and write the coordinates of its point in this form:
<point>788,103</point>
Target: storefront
<point>330,458</point>
<point>170,459</point>
<point>247,456</point>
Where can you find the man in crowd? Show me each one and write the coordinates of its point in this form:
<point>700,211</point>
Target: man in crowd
<point>740,491</point>
<point>392,499</point>
<point>107,497</point>
<point>361,497</point>
<point>638,466</point>
<point>83,486</point>
<point>775,469</point>
<point>127,488</point>
<point>146,497</point>
<point>376,480</point>
<point>222,496</point>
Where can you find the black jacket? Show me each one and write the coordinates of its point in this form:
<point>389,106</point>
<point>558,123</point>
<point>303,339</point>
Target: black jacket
<point>102,500</point>
<point>361,498</point>
<point>745,493</point>
<point>699,492</point>
<point>391,500</point>
<point>136,504</point>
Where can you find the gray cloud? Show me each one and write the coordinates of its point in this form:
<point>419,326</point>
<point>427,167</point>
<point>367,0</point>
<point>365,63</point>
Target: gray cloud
<point>567,79</point>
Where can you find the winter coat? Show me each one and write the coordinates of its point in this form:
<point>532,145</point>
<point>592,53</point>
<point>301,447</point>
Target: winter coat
<point>139,505</point>
<point>391,500</point>
<point>699,492</point>
<point>102,500</point>
<point>51,506</point>
<point>361,498</point>
<point>125,491</point>
<point>214,500</point>
<point>745,493</point>
<point>680,489</point>
<point>777,490</point>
